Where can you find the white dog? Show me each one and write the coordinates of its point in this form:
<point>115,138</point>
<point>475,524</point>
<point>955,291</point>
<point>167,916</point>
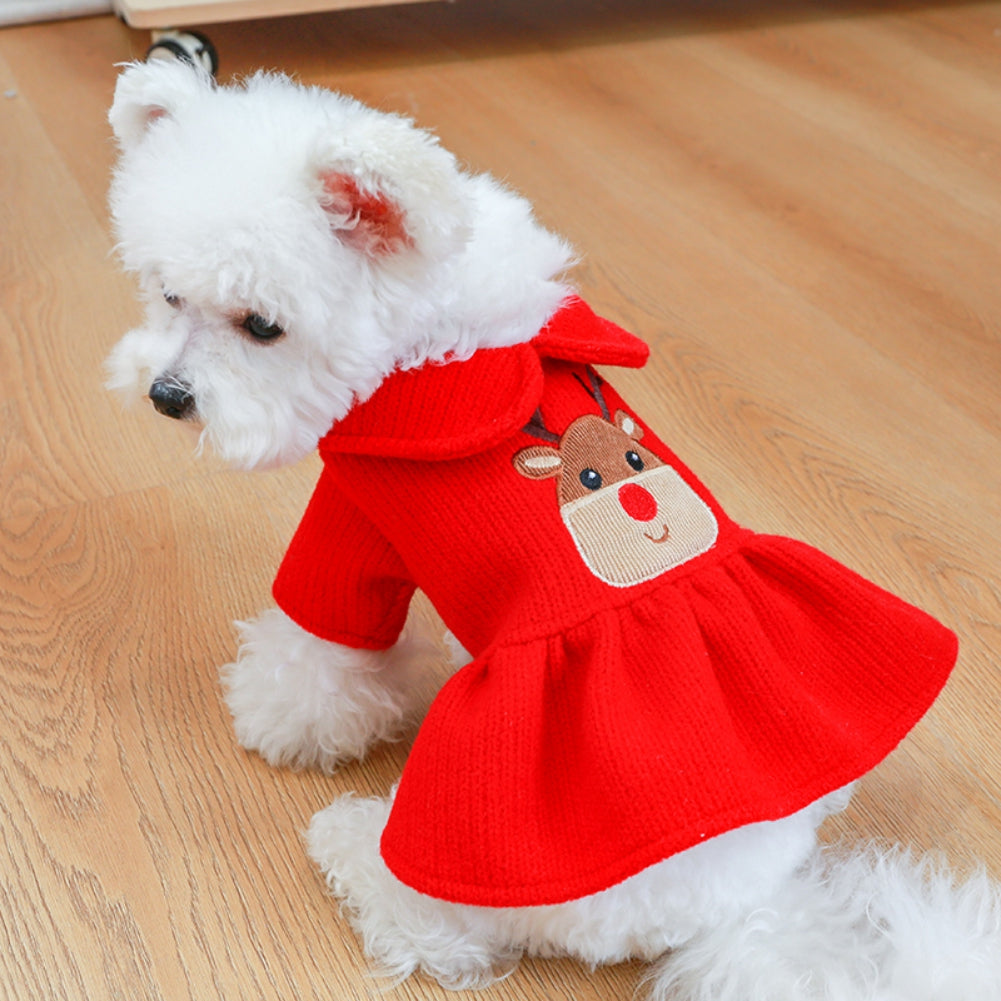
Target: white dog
<point>303,257</point>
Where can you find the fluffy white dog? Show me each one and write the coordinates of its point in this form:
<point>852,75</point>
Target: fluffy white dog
<point>295,249</point>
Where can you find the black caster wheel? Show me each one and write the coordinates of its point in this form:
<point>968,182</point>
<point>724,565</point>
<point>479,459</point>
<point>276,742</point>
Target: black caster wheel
<point>190,47</point>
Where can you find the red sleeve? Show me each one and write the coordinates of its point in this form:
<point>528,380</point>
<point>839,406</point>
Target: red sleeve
<point>340,579</point>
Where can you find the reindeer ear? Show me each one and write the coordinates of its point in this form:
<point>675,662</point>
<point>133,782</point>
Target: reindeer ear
<point>538,462</point>
<point>146,92</point>
<point>365,218</point>
<point>628,425</point>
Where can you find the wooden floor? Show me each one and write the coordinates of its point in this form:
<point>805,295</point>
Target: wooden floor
<point>798,204</point>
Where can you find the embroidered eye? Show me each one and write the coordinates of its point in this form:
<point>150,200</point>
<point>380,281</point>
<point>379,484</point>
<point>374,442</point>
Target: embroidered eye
<point>634,460</point>
<point>259,328</point>
<point>591,479</point>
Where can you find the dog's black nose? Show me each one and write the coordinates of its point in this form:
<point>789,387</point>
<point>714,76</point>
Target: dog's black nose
<point>172,398</point>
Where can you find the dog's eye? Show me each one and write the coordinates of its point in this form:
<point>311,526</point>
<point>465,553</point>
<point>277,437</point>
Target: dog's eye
<point>260,329</point>
<point>172,300</point>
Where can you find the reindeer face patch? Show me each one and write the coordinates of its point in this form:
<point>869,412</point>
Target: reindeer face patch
<point>631,516</point>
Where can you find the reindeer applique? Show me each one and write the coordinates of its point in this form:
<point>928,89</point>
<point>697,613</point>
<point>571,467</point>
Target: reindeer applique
<point>631,516</point>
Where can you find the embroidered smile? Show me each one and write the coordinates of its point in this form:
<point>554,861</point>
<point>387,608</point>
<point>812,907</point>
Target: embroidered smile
<point>663,538</point>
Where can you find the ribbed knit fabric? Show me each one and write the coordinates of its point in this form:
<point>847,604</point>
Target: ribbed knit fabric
<point>647,674</point>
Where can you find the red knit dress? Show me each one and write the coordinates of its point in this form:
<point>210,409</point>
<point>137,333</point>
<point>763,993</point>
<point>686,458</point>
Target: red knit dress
<point>646,675</point>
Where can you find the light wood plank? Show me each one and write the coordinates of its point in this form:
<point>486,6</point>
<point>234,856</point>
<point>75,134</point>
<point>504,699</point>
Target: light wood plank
<point>169,13</point>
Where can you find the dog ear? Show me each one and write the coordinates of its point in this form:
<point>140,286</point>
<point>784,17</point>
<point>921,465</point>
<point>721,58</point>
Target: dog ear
<point>389,189</point>
<point>146,92</point>
<point>367,219</point>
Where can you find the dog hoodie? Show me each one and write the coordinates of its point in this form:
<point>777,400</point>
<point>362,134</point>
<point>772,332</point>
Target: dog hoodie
<point>646,673</point>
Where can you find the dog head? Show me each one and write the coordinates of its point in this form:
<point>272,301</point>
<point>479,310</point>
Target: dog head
<point>286,241</point>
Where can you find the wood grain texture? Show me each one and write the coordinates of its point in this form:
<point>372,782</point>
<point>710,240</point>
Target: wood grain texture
<point>798,205</point>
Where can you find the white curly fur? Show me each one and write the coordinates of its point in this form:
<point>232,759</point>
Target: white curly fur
<point>303,702</point>
<point>222,200</point>
<point>218,200</point>
<point>463,946</point>
<point>854,924</point>
<point>758,914</point>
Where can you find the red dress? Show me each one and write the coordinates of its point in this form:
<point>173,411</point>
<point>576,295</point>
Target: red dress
<point>647,674</point>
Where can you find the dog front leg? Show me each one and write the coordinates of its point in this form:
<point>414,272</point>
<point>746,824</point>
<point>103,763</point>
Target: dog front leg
<point>301,701</point>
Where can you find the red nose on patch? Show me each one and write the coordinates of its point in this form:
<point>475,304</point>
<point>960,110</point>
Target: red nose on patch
<point>637,502</point>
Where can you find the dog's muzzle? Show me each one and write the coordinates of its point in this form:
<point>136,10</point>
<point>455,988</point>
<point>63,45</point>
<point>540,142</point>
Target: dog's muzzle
<point>172,398</point>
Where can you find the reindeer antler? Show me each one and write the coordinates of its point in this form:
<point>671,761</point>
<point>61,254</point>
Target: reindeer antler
<point>537,428</point>
<point>594,390</point>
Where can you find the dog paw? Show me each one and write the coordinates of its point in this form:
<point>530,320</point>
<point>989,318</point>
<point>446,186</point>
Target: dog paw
<point>403,931</point>
<point>301,701</point>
